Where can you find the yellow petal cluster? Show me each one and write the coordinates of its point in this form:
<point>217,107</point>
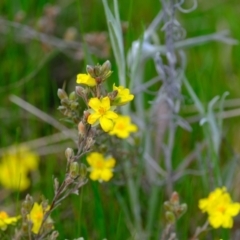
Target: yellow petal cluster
<point>101,113</point>
<point>123,95</point>
<point>15,166</point>
<point>101,168</point>
<point>123,127</point>
<point>220,208</point>
<point>86,79</point>
<point>36,216</point>
<point>5,220</point>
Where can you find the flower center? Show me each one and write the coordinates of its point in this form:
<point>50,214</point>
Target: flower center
<point>102,110</point>
<point>3,215</point>
<point>100,164</point>
<point>221,209</point>
<point>121,126</point>
<point>39,216</point>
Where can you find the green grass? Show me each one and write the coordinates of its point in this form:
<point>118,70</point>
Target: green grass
<point>102,210</point>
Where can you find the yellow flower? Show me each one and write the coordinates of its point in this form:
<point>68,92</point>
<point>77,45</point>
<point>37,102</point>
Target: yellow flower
<point>86,79</point>
<point>5,220</point>
<point>220,208</point>
<point>101,113</point>
<point>123,96</point>
<point>36,216</point>
<point>123,127</point>
<point>15,166</point>
<point>101,168</point>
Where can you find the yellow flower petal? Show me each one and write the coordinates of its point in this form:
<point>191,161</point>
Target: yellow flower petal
<point>110,163</point>
<point>96,174</point>
<point>233,209</point>
<point>36,216</point>
<point>106,175</point>
<point>86,79</point>
<point>105,102</point>
<point>220,208</point>
<point>123,127</point>
<point>111,115</point>
<point>106,124</point>
<point>94,103</point>
<point>101,168</point>
<point>92,118</point>
<point>123,96</point>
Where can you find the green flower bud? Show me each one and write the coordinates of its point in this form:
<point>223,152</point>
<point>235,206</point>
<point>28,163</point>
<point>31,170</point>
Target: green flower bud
<point>74,105</point>
<point>74,170</point>
<point>168,206</point>
<point>83,170</point>
<point>73,96</point>
<point>65,102</point>
<point>182,208</point>
<point>62,94</point>
<point>170,217</point>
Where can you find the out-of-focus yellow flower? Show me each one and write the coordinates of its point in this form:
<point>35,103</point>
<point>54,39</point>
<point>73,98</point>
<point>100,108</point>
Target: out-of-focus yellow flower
<point>123,127</point>
<point>101,168</point>
<point>86,79</point>
<point>123,96</point>
<point>15,166</point>
<point>5,220</point>
<point>220,208</point>
<point>101,113</point>
<point>36,216</point>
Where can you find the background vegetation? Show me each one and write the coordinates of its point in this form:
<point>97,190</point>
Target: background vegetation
<point>75,33</point>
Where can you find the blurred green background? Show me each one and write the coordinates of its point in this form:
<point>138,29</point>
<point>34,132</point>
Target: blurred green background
<point>44,44</point>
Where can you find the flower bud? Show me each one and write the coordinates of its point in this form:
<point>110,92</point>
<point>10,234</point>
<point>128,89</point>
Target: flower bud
<point>74,105</point>
<point>89,143</point>
<point>85,115</point>
<point>83,170</point>
<point>168,206</point>
<point>106,67</point>
<point>62,94</point>
<point>25,227</point>
<point>27,203</point>
<point>112,95</point>
<point>81,129</point>
<point>90,71</point>
<point>170,217</point>
<point>74,170</point>
<point>182,209</point>
<point>174,199</point>
<point>45,205</point>
<point>69,153</point>
<point>73,96</point>
<point>106,70</point>
<point>97,70</point>
<point>24,212</point>
<point>65,102</point>
<point>48,226</point>
<point>54,235</point>
<point>70,34</point>
<point>80,91</point>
